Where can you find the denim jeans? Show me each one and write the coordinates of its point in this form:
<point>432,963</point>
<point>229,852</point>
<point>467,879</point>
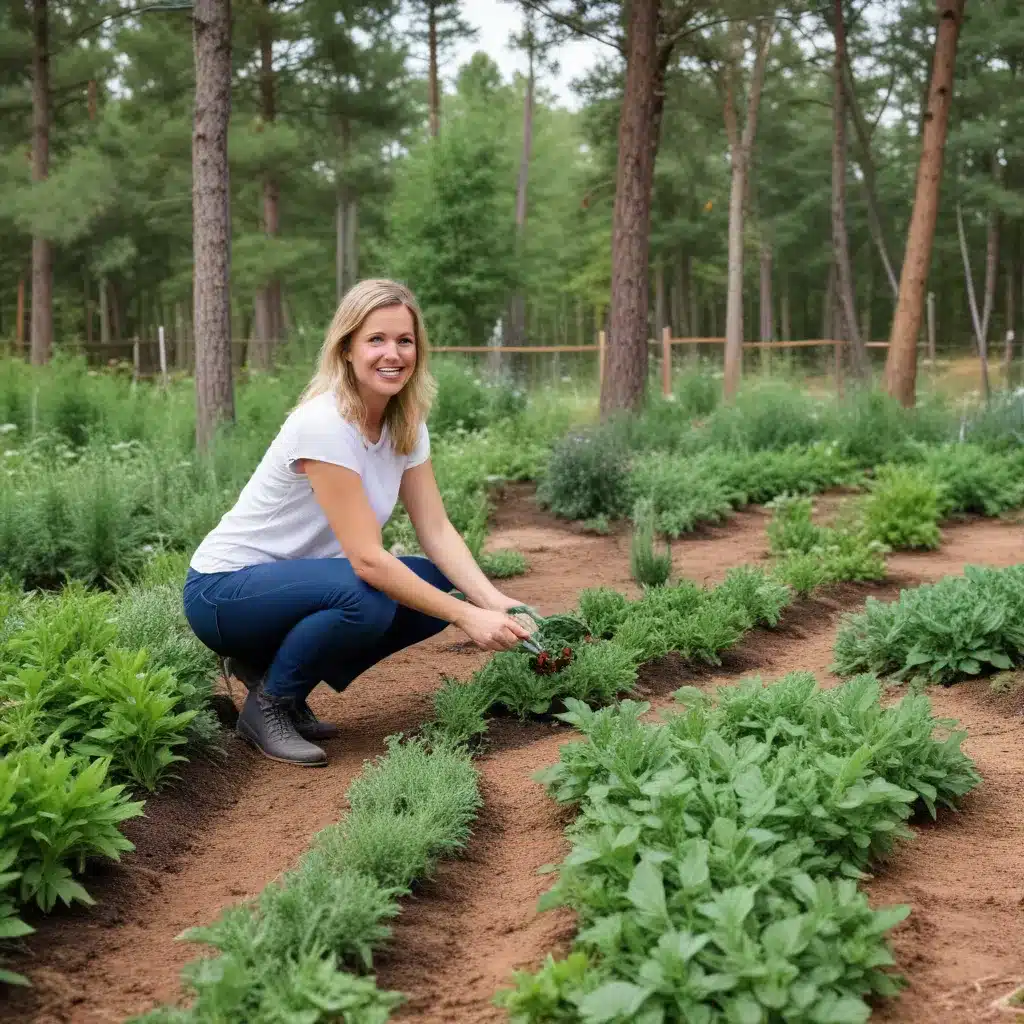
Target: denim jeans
<point>304,621</point>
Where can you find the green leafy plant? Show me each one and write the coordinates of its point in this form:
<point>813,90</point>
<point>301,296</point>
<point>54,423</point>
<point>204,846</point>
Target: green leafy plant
<point>587,475</point>
<point>961,626</point>
<point>650,567</point>
<point>504,563</point>
<point>972,479</point>
<point>56,810</point>
<point>903,508</point>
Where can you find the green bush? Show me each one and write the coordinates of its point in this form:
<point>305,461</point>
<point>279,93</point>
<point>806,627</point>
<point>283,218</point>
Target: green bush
<point>998,426</point>
<point>587,475</point>
<point>57,809</point>
<point>958,627</point>
<point>681,492</point>
<point>972,479</point>
<point>903,508</point>
<point>504,563</point>
<point>768,416</point>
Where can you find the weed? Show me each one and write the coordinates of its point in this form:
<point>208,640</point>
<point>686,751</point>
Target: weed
<point>650,567</point>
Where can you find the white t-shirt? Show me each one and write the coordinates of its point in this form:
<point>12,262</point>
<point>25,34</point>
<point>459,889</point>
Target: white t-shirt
<point>277,516</point>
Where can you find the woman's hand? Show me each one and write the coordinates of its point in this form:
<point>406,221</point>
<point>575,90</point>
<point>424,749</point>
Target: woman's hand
<point>492,629</point>
<point>500,602</point>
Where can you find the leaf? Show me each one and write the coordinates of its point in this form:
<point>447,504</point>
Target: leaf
<point>612,999</point>
<point>646,890</point>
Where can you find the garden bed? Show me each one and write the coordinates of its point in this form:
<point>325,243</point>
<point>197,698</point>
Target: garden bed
<point>229,828</point>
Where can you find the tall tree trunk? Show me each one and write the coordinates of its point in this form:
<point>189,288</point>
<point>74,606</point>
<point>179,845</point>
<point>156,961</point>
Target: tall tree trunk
<point>785,322</point>
<point>42,252</point>
<point>828,306</point>
<point>740,147</point>
<point>766,305</point>
<point>517,307</point>
<point>694,305</point>
<point>1012,270</point>
<point>433,83</point>
<point>211,218</point>
<point>343,279</point>
<point>268,311</point>
<point>901,364</point>
<point>868,300</point>
<point>104,311</point>
<point>625,380</point>
<point>840,242</point>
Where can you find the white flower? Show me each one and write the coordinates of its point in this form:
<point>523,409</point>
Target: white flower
<point>8,428</point>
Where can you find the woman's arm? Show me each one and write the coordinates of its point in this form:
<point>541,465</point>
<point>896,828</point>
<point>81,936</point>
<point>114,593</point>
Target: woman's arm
<point>340,494</point>
<point>442,543</point>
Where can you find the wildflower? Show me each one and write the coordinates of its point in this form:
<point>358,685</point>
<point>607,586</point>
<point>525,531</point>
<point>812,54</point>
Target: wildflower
<point>8,428</point>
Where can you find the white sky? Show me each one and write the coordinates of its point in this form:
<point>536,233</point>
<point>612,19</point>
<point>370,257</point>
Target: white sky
<point>495,21</point>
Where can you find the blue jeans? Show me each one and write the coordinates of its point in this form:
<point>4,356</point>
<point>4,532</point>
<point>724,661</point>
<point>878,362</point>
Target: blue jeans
<point>306,620</point>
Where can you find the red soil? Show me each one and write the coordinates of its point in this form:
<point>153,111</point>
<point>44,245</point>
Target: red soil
<point>232,825</point>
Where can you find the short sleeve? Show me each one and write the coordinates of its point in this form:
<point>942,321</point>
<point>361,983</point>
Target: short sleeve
<point>318,432</point>
<point>421,452</point>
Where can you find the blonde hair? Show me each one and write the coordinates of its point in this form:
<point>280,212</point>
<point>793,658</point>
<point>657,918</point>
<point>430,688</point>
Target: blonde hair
<point>409,408</point>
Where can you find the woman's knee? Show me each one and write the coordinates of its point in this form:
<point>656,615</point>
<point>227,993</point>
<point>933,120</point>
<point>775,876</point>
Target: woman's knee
<point>371,608</point>
<point>426,570</point>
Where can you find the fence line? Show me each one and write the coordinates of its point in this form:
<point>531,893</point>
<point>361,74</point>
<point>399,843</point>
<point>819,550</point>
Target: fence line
<point>157,352</point>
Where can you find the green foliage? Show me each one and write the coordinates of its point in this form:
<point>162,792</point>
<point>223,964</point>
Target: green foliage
<point>603,609</point>
<point>459,710</point>
<point>946,631</point>
<point>767,416</point>
<point>64,675</point>
<point>681,494</point>
<point>998,426</point>
<point>504,563</point>
<point>292,953</point>
<point>650,568</point>
<point>57,809</point>
<point>466,402</point>
<point>903,508</point>
<point>809,556</point>
<point>972,479</point>
<point>587,475</point>
<point>726,832</point>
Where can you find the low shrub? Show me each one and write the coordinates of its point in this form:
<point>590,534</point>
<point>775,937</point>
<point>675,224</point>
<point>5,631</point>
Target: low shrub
<point>681,493</point>
<point>903,508</point>
<point>972,479</point>
<point>587,475</point>
<point>961,626</point>
<point>504,563</point>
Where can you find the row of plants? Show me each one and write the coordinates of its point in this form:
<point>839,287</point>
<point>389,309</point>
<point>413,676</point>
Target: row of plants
<point>776,441</point>
<point>101,694</point>
<point>303,949</point>
<point>715,854</point>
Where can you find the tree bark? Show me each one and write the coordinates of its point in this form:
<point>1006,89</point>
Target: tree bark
<point>785,326</point>
<point>433,83</point>
<point>625,380</point>
<point>740,147</point>
<point>352,238</point>
<point>660,305</point>
<point>901,363</point>
<point>980,322</point>
<point>42,251</point>
<point>211,219</point>
<point>269,316</point>
<point>1011,317</point>
<point>840,242</point>
<point>766,306</point>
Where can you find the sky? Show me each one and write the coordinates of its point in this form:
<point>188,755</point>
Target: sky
<point>495,21</point>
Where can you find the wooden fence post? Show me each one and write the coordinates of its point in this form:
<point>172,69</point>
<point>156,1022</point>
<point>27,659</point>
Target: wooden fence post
<point>135,360</point>
<point>931,327</point>
<point>666,361</point>
<point>601,344</point>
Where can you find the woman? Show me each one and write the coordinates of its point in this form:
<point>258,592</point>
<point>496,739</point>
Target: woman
<point>294,586</point>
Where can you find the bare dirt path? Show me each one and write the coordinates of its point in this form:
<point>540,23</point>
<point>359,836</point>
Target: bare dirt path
<point>235,825</point>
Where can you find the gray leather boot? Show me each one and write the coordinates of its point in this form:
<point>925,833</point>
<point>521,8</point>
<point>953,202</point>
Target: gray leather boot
<point>267,722</point>
<point>308,725</point>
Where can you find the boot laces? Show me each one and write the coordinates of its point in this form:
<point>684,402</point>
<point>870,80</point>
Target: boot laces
<point>278,718</point>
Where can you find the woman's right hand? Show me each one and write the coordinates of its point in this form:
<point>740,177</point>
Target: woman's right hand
<point>492,630</point>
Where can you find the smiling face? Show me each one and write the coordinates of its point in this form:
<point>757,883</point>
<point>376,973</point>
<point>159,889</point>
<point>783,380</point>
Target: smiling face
<point>383,355</point>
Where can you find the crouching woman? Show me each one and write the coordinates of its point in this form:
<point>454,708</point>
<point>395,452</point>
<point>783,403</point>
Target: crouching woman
<point>293,586</point>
